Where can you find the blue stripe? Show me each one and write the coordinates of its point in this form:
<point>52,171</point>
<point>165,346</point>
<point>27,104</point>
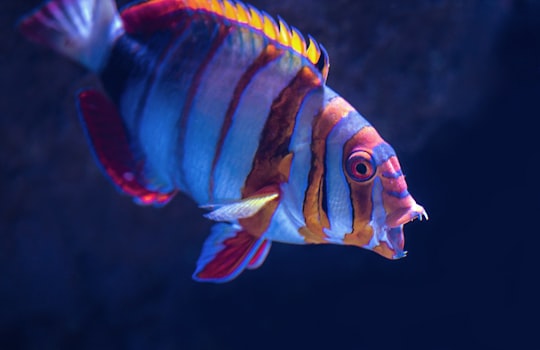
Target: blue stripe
<point>242,141</point>
<point>392,175</point>
<point>340,209</point>
<point>166,98</point>
<point>295,189</point>
<point>210,106</point>
<point>160,48</point>
<point>382,152</point>
<point>184,114</point>
<point>400,195</point>
<point>137,79</point>
<point>378,215</point>
<point>284,227</point>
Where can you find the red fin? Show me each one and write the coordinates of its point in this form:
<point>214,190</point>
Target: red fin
<point>226,253</point>
<point>109,140</point>
<point>149,17</point>
<point>260,255</point>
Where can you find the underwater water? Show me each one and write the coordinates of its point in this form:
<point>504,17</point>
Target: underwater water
<point>453,85</point>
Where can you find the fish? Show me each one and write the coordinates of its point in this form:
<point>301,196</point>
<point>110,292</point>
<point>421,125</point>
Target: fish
<point>220,101</point>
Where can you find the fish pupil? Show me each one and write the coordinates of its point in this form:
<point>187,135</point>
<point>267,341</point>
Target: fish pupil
<point>361,168</point>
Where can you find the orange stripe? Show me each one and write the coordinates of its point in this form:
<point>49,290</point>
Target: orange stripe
<point>269,54</point>
<point>271,164</point>
<point>314,214</point>
<point>276,135</point>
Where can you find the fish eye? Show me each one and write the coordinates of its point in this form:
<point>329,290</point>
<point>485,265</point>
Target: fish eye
<point>360,166</point>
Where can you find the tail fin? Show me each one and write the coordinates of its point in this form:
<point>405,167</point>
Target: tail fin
<point>83,30</point>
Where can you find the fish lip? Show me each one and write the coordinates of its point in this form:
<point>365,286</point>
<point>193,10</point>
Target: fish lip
<point>395,223</point>
<point>396,242</point>
<point>405,215</point>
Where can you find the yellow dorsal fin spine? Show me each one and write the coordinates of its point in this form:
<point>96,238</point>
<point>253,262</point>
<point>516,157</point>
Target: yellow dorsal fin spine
<point>256,18</point>
<point>280,32</point>
<point>284,32</point>
<point>242,13</point>
<point>230,10</point>
<point>217,7</point>
<point>313,51</point>
<point>199,3</point>
<point>297,41</point>
<point>205,5</point>
<point>270,27</point>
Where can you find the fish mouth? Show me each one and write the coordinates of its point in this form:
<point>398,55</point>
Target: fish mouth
<point>404,215</point>
<point>395,223</point>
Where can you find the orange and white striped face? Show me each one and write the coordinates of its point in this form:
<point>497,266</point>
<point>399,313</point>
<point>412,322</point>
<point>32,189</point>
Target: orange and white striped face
<point>379,197</point>
<point>356,193</point>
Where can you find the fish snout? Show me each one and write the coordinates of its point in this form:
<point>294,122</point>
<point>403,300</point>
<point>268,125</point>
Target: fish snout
<point>394,229</point>
<point>401,216</point>
<point>399,209</point>
<point>399,205</point>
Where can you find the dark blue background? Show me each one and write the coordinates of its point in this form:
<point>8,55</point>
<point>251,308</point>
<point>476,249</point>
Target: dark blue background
<point>452,84</point>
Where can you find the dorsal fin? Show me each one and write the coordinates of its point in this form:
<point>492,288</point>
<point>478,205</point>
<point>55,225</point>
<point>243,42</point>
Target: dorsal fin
<point>234,11</point>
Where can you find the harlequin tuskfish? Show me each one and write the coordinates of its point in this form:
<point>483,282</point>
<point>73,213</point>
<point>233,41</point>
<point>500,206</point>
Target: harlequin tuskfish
<point>220,101</point>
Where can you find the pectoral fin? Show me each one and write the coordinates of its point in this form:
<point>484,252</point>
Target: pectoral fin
<point>241,209</point>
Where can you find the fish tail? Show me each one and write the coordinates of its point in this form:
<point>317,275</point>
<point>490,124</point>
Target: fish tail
<point>83,30</point>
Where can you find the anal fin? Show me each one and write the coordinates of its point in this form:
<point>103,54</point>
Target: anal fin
<point>227,252</point>
<point>110,143</point>
<point>260,255</point>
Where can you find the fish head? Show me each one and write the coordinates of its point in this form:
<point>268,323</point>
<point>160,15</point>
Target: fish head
<point>367,200</point>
